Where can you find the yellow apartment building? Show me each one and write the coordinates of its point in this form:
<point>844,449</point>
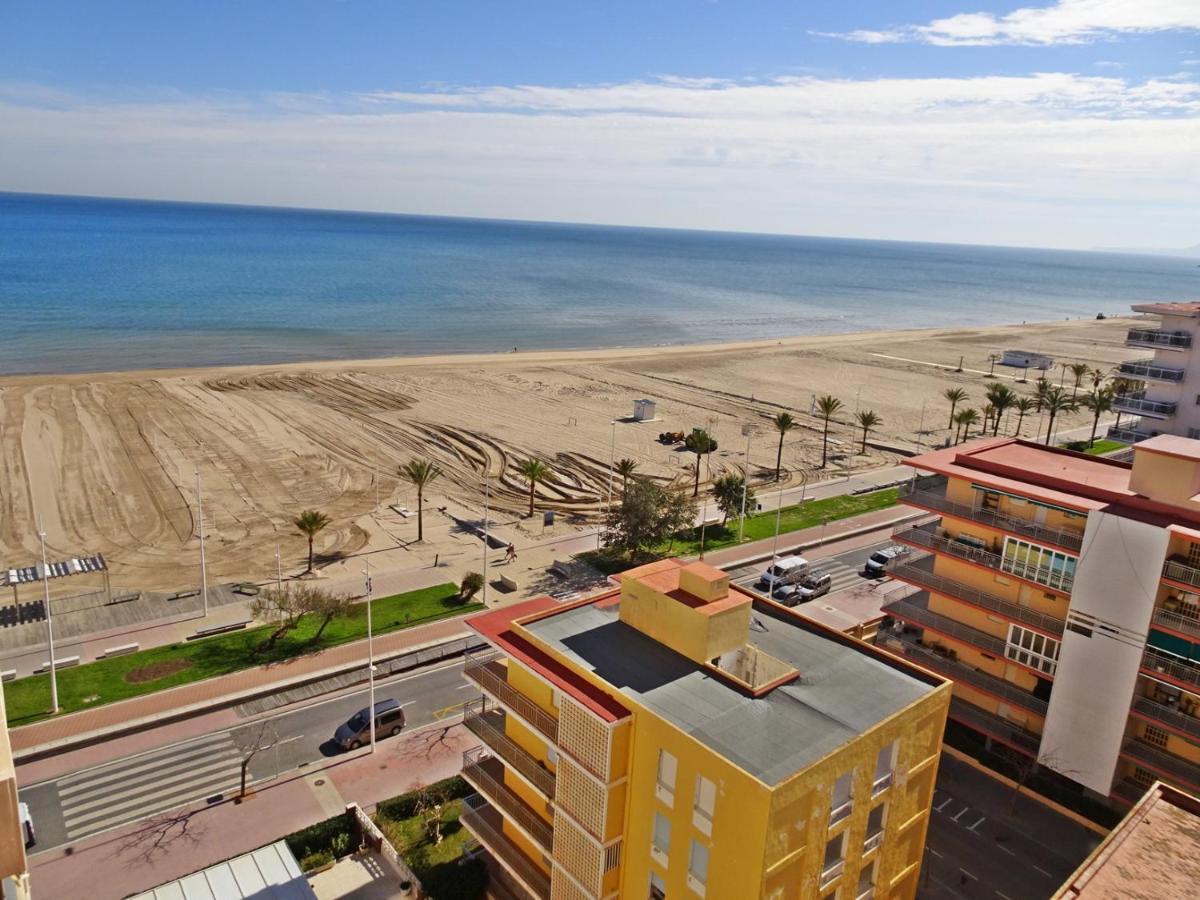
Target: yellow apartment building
<point>1061,593</point>
<point>677,737</point>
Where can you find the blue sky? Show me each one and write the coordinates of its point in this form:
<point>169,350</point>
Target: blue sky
<point>1068,123</point>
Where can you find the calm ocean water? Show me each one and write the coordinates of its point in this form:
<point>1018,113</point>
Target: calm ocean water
<point>89,285</point>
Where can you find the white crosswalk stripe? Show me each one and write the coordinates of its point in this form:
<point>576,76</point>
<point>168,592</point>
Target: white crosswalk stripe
<point>138,788</point>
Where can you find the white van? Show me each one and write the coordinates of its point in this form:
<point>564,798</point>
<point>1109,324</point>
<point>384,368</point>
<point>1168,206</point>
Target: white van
<point>787,570</point>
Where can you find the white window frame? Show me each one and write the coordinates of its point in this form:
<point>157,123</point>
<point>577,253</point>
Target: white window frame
<point>663,790</point>
<point>839,809</point>
<point>697,884</point>
<point>702,818</point>
<point>872,841</point>
<point>881,783</point>
<point>1032,649</point>
<point>1038,563</point>
<point>660,854</point>
<point>834,870</point>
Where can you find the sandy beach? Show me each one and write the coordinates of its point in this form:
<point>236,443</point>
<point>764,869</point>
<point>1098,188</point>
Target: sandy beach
<point>110,461</point>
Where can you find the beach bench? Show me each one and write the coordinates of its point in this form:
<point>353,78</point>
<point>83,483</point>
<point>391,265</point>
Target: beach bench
<point>125,598</point>
<point>62,662</point>
<point>8,675</point>
<point>247,590</point>
<point>120,651</point>
<point>506,583</point>
<point>401,511</point>
<point>219,629</point>
<point>560,569</point>
<point>183,595</point>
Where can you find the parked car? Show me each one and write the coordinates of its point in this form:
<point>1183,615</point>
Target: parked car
<point>786,571</point>
<point>879,560</point>
<point>811,586</point>
<point>389,720</point>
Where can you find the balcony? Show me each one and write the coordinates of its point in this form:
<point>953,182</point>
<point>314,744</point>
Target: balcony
<point>1178,622</point>
<point>486,773</point>
<point>919,572</point>
<point>491,676</point>
<point>1174,768</point>
<point>926,536</point>
<point>995,726</point>
<point>1155,662</point>
<point>1149,371</point>
<point>829,873</point>
<point>489,725</point>
<point>1171,716</point>
<point>938,501</point>
<point>1155,339</point>
<point>957,671</point>
<point>1177,570</point>
<point>1128,790</point>
<point>486,823</point>
<point>915,609</point>
<point>1128,435</point>
<point>1136,404</point>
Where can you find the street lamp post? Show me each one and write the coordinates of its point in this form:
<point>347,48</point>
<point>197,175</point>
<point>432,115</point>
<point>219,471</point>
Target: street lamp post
<point>49,620</point>
<point>278,570</point>
<point>370,656</point>
<point>612,454</point>
<point>747,430</point>
<point>203,564</point>
<point>486,503</point>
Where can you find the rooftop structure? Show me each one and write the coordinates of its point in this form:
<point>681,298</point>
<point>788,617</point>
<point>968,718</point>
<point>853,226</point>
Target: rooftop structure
<point>1166,396</point>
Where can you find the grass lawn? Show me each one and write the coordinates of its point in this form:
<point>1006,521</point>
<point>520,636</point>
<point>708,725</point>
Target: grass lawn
<point>1101,446</point>
<point>762,525</point>
<point>110,680</point>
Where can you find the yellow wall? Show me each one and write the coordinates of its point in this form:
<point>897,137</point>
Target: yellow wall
<point>1165,478</point>
<point>532,686</point>
<point>698,635</point>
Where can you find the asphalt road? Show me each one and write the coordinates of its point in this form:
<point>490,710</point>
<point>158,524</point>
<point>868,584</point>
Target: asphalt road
<point>846,569</point>
<point>94,800</point>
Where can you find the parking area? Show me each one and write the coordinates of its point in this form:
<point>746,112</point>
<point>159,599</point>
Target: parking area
<point>845,569</point>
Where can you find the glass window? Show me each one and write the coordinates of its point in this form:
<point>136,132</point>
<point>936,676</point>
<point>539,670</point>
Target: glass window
<point>662,834</point>
<point>866,879</point>
<point>703,802</point>
<point>666,776</point>
<point>840,805</point>
<point>658,887</point>
<point>1032,649</point>
<point>1040,564</point>
<point>875,820</point>
<point>885,767</point>
<point>697,865</point>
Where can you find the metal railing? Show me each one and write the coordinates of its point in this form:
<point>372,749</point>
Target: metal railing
<point>1138,368</point>
<point>922,536</point>
<point>915,609</point>
<point>873,841</point>
<point>1172,666</point>
<point>1154,337</point>
<point>1137,404</point>
<point>1168,715</point>
<point>832,872</point>
<point>936,500</point>
<point>489,727</point>
<point>489,674</point>
<point>996,726</point>
<point>1168,764</point>
<point>1189,625</point>
<point>484,821</point>
<point>1127,435</point>
<point>486,773</point>
<point>914,573</point>
<point>1181,572</point>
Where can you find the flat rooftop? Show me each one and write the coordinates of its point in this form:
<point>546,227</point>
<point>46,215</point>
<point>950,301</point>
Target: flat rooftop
<point>1154,852</point>
<point>844,689</point>
<point>1189,308</point>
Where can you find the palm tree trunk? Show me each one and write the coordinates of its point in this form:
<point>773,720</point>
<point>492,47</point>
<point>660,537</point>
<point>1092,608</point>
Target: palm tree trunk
<point>864,442</point>
<point>420,516</point>
<point>778,458</point>
<point>532,488</point>
<point>310,552</point>
<point>950,424</point>
<point>1095,425</point>
<point>825,444</point>
<point>696,487</point>
<point>1049,428</point>
<point>1020,419</point>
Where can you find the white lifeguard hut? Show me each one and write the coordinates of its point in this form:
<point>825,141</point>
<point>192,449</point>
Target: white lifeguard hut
<point>643,410</point>
<point>1026,359</point>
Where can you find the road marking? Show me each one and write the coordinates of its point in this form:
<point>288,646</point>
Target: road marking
<point>982,819</point>
<point>945,803</point>
<point>968,874</point>
<point>1043,871</point>
<point>960,814</point>
<point>935,853</point>
<point>1003,896</point>
<point>466,687</point>
<point>1006,850</point>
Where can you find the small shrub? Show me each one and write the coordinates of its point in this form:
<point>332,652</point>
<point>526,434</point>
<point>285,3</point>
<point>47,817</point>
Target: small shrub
<point>405,806</point>
<point>463,880</point>
<point>340,845</point>
<point>472,584</point>
<point>321,837</point>
<point>316,860</point>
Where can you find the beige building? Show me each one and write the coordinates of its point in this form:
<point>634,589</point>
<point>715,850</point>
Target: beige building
<point>1168,401</point>
<point>14,869</point>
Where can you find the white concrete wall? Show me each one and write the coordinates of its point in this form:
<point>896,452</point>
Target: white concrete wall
<point>1116,581</point>
<point>1187,415</point>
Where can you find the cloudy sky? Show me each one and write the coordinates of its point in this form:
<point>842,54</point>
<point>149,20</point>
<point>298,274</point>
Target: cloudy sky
<point>1068,124</point>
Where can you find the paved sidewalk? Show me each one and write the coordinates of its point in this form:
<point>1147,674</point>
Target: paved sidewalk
<point>144,854</point>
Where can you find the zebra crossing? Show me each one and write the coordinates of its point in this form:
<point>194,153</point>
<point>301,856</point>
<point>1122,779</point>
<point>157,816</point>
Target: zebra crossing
<point>146,785</point>
<point>842,576</point>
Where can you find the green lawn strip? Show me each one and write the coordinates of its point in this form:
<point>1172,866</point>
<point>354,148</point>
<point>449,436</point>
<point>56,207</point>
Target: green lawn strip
<point>109,680</point>
<point>1098,448</point>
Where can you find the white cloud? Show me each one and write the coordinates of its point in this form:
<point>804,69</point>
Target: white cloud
<point>1052,159</point>
<point>1065,22</point>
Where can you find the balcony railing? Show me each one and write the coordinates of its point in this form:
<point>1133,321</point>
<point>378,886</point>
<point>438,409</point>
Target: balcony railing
<point>486,823</point>
<point>1168,715</point>
<point>491,677</point>
<point>937,500</point>
<point>995,726</point>
<point>1137,404</point>
<point>487,774</point>
<point>925,536</point>
<point>872,841</point>
<point>489,726</point>
<point>1171,666</point>
<point>830,872</point>
<point>1180,622</point>
<point>1127,435</point>
<point>915,609</point>
<point>1156,338</point>
<point>916,573</point>
<point>1180,571</point>
<point>1129,790</point>
<point>1140,368</point>
<point>1174,767</point>
<point>968,675</point>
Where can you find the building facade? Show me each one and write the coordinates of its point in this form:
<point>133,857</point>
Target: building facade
<point>1168,399</point>
<point>678,738</point>
<point>1061,593</point>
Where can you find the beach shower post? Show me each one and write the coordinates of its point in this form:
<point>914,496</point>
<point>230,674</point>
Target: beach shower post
<point>370,654</point>
<point>203,564</point>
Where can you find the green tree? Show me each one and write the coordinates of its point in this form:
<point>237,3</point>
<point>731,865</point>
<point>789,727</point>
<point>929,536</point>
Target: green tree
<point>1099,401</point>
<point>648,516</point>
<point>1001,398</point>
<point>965,418</point>
<point>472,584</point>
<point>728,493</point>
<point>420,473</point>
<point>701,443</point>
<point>283,608</point>
<point>1054,402</point>
<point>1024,406</point>
<point>783,423</point>
<point>827,406</point>
<point>866,421</point>
<point>310,523</point>
<point>533,471</point>
<point>625,468</point>
<point>1079,371</point>
<point>955,395</point>
<point>1040,387</point>
<point>328,606</point>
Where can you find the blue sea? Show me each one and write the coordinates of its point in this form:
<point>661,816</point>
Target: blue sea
<point>96,284</point>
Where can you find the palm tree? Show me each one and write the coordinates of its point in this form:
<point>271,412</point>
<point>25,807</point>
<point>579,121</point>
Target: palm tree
<point>783,423</point>
<point>1099,402</point>
<point>1054,402</point>
<point>955,396</point>
<point>965,419</point>
<point>1001,397</point>
<point>1079,371</point>
<point>827,406</point>
<point>866,421</point>
<point>1039,391</point>
<point>533,471</point>
<point>309,523</point>
<point>1098,377</point>
<point>989,412</point>
<point>625,468</point>
<point>420,473</point>
<point>1023,406</point>
<point>701,443</point>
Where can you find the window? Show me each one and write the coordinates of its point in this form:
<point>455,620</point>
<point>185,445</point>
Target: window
<point>697,876</point>
<point>1155,736</point>
<point>1193,555</point>
<point>665,789</point>
<point>835,859</point>
<point>658,888</point>
<point>885,768</point>
<point>1032,649</point>
<point>866,882</point>
<point>1141,777</point>
<point>703,803</point>
<point>660,843</point>
<point>875,823</point>
<point>1037,563</point>
<point>842,803</point>
<point>1194,433</point>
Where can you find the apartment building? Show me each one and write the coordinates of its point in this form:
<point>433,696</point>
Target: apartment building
<point>676,737</point>
<point>14,867</point>
<point>1168,401</point>
<point>1061,593</point>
